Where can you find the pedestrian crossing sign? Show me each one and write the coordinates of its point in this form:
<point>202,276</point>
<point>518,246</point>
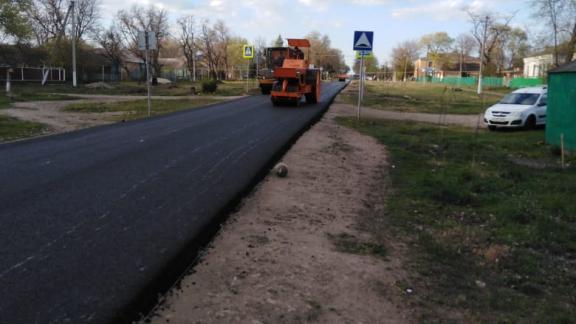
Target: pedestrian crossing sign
<point>248,52</point>
<point>363,40</point>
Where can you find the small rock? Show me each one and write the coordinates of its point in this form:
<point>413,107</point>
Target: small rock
<point>281,170</point>
<point>480,284</point>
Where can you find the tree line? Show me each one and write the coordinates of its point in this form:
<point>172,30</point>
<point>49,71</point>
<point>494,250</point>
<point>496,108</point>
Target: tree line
<point>492,39</point>
<point>39,33</point>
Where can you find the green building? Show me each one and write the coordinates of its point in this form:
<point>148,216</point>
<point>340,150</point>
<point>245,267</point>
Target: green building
<point>561,110</point>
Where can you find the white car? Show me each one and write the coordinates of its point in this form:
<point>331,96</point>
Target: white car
<point>522,108</point>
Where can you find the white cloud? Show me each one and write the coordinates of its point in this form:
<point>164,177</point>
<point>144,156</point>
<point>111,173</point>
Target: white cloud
<point>442,10</point>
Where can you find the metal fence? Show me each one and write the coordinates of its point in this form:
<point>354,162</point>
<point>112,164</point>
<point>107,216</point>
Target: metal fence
<point>487,82</point>
<point>525,82</point>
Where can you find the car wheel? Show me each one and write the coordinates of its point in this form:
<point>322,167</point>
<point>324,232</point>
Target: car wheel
<point>530,122</point>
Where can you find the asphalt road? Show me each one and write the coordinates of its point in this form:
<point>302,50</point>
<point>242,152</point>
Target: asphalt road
<point>89,219</point>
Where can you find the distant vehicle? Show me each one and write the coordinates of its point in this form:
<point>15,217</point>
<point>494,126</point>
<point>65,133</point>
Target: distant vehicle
<point>522,108</point>
<point>342,77</point>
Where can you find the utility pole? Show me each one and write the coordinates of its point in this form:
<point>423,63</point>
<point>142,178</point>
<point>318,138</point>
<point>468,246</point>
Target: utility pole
<point>148,72</point>
<point>482,49</point>
<point>73,9</point>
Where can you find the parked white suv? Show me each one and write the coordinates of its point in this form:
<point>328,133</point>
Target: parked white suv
<point>522,108</point>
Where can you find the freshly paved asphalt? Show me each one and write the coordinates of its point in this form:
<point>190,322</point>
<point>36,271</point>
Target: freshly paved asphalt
<point>90,218</point>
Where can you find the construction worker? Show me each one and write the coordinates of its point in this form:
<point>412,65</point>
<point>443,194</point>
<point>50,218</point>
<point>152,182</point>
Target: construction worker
<point>298,54</point>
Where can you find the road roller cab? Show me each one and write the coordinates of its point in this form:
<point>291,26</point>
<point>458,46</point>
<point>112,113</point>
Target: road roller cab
<point>296,78</point>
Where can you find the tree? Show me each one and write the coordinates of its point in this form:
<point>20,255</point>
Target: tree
<point>465,43</point>
<point>516,47</point>
<point>279,42</point>
<point>139,19</point>
<point>49,18</point>
<point>322,54</point>
<point>111,42</point>
<point>187,42</point>
<point>222,41</point>
<point>208,46</point>
<point>404,55</point>
<point>13,23</point>
<point>436,44</point>
<point>560,15</point>
<point>489,31</point>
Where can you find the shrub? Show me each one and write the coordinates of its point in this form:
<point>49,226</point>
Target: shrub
<point>209,86</point>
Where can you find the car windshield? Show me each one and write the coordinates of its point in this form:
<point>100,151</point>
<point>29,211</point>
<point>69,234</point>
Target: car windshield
<point>520,99</point>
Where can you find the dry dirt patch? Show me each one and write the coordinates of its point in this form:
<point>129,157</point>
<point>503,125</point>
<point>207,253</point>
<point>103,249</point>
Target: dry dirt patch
<point>298,249</point>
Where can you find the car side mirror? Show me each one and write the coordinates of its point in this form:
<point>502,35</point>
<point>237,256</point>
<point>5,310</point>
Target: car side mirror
<point>541,104</point>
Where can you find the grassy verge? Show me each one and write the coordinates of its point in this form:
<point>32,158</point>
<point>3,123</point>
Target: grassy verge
<point>12,128</point>
<point>490,219</point>
<point>136,109</point>
<point>417,97</point>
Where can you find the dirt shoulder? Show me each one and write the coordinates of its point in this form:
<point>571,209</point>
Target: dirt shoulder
<point>311,247</point>
<point>470,121</point>
<point>52,114</point>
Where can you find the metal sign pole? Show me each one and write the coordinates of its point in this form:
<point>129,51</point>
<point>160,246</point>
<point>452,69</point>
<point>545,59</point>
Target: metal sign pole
<point>360,85</point>
<point>247,75</point>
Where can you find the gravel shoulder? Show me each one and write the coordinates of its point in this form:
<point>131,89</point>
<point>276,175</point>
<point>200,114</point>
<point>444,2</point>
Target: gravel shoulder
<point>295,250</point>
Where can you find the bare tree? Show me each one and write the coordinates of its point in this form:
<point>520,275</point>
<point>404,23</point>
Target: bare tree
<point>465,43</point>
<point>489,30</point>
<point>560,15</point>
<point>223,40</point>
<point>139,19</point>
<point>48,18</point>
<point>87,17</point>
<point>208,48</point>
<point>186,39</point>
<point>111,42</point>
<point>404,55</point>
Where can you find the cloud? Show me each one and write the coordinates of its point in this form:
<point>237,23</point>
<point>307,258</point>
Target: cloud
<point>442,10</point>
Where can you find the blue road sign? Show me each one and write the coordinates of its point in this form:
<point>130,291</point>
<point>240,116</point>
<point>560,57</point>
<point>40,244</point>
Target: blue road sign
<point>363,40</point>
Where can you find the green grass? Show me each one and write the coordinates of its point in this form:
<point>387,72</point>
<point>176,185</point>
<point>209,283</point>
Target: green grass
<point>139,108</point>
<point>12,128</point>
<point>417,97</point>
<point>489,236</point>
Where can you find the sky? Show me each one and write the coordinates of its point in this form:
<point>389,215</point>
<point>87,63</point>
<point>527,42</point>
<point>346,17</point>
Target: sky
<point>391,21</point>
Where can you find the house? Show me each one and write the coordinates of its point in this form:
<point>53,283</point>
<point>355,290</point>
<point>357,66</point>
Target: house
<point>561,112</point>
<point>537,66</point>
<point>447,64</point>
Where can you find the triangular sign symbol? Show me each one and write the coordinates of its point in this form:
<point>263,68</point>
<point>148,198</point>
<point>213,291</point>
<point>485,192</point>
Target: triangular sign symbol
<point>248,51</point>
<point>363,41</point>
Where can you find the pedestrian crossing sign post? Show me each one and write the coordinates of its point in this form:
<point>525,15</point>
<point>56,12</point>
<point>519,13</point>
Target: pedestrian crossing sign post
<point>363,41</point>
<point>248,52</point>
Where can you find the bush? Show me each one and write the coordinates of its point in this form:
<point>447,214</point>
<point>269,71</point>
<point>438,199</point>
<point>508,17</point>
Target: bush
<point>209,86</point>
